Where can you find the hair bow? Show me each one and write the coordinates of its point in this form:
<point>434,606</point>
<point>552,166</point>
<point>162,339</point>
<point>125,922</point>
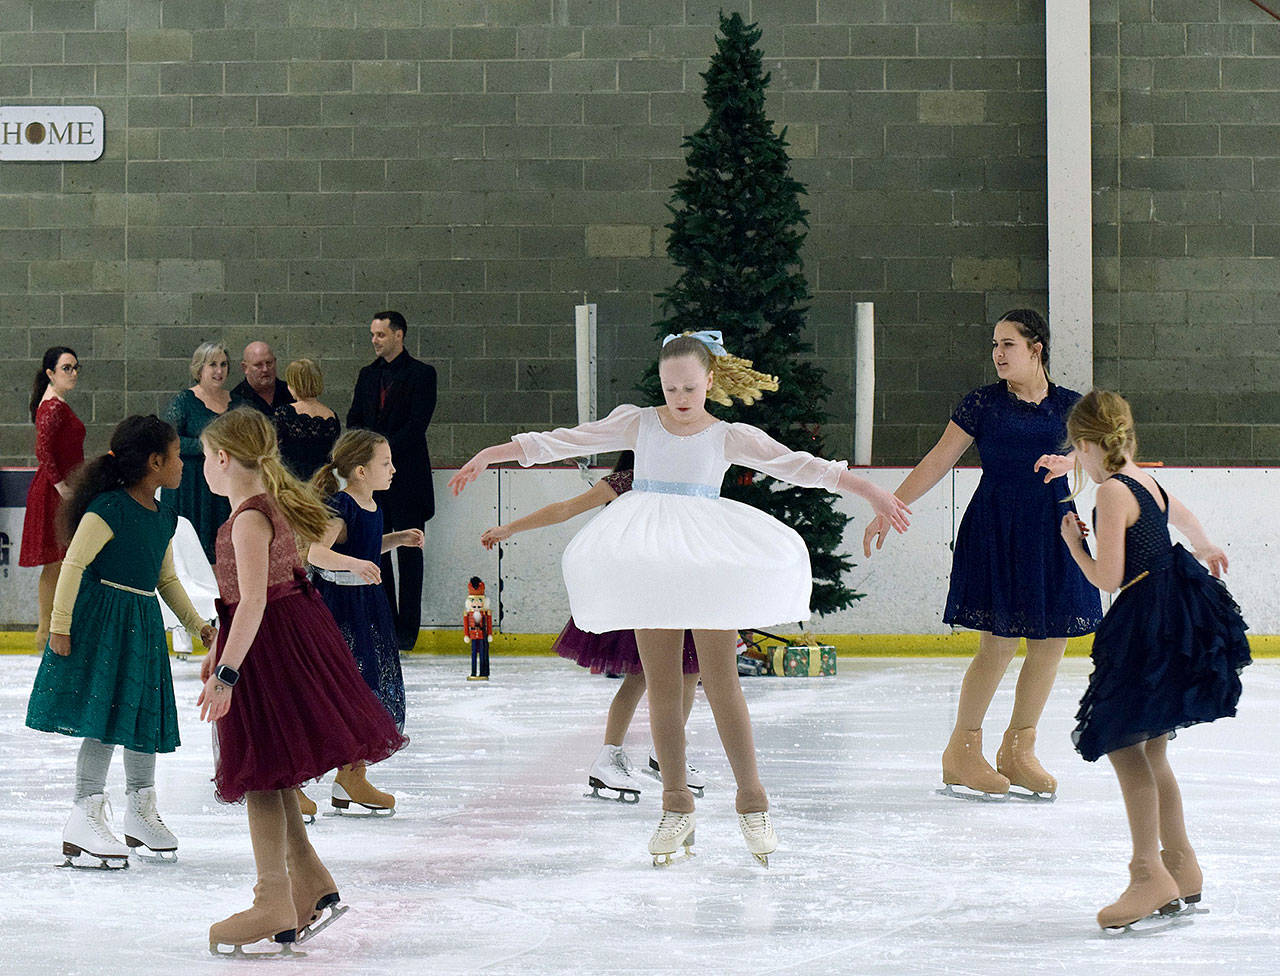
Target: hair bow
<point>712,339</point>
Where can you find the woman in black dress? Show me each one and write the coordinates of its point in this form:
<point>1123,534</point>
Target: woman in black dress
<point>306,429</point>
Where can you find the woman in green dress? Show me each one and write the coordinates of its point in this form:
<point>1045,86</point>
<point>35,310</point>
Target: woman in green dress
<point>190,412</point>
<point>105,674</point>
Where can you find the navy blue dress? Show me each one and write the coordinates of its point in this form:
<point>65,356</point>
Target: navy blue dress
<point>361,609</point>
<point>1010,573</point>
<point>1170,651</point>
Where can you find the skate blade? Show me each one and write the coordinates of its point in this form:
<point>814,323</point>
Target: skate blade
<point>957,792</point>
<point>329,913</point>
<point>282,950</point>
<point>149,856</point>
<point>624,796</point>
<point>308,818</point>
<point>762,858</point>
<point>350,808</point>
<point>1030,796</point>
<point>1166,918</point>
<point>114,862</point>
<point>677,857</point>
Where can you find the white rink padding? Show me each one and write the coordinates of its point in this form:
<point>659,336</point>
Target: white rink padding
<point>495,862</point>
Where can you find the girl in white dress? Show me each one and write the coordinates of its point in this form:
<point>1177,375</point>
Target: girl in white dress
<point>672,555</point>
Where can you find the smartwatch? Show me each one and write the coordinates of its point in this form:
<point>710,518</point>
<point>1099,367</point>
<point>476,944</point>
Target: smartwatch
<point>227,675</point>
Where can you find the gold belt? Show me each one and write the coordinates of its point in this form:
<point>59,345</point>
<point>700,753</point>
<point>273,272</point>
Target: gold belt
<point>1137,579</point>
<point>127,589</point>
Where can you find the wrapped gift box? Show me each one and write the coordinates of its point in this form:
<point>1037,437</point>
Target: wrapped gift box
<point>802,660</point>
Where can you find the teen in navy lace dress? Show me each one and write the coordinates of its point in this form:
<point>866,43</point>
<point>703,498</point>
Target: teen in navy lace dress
<point>1009,579</point>
<point>1168,654</point>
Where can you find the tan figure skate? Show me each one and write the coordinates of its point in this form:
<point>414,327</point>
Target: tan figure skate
<point>271,917</point>
<point>1016,760</point>
<point>1186,872</point>
<point>307,806</point>
<point>1151,899</point>
<point>964,767</point>
<point>351,787</point>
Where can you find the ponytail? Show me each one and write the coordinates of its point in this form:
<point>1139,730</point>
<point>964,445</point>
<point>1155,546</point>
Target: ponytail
<point>48,362</point>
<point>354,448</point>
<point>325,481</point>
<point>133,442</point>
<point>248,437</point>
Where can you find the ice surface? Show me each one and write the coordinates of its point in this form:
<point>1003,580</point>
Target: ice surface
<point>495,863</point>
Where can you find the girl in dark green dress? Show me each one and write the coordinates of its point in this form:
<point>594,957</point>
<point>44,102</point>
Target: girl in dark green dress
<point>105,672</point>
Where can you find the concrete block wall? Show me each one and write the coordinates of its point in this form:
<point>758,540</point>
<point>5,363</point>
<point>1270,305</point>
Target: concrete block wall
<point>1186,152</point>
<point>280,170</point>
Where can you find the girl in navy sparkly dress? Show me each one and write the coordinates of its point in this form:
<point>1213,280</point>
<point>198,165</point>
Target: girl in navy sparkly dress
<point>348,578</point>
<point>1009,578</point>
<point>1168,654</point>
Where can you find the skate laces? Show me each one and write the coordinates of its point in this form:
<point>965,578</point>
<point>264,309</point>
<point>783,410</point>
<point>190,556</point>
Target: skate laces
<point>671,823</point>
<point>98,821</point>
<point>756,823</point>
<point>622,762</point>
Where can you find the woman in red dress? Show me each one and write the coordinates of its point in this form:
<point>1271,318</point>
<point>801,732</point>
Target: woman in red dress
<point>59,451</point>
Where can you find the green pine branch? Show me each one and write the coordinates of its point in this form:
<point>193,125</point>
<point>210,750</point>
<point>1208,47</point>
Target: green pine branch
<point>736,232</point>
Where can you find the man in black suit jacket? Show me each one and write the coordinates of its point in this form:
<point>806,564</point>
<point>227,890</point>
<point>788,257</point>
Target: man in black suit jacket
<point>395,395</point>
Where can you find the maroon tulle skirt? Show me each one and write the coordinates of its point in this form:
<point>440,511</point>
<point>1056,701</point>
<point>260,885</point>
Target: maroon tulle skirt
<point>300,707</point>
<point>613,652</point>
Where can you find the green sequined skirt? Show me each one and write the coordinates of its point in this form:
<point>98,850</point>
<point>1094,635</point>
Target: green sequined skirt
<point>115,685</point>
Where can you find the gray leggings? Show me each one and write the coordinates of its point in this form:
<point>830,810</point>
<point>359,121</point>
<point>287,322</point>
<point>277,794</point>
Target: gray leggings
<point>95,760</point>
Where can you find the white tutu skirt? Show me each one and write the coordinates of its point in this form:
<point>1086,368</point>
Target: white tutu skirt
<point>654,561</point>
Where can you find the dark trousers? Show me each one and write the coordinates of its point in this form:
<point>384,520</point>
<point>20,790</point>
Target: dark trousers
<point>406,605</point>
<point>479,657</point>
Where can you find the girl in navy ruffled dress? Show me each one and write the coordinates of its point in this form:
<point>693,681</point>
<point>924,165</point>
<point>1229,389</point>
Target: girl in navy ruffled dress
<point>1167,655</point>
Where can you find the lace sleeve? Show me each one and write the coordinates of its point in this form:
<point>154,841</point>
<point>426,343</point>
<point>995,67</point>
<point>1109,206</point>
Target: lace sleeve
<point>968,414</point>
<point>615,432</point>
<point>753,448</point>
<point>50,419</point>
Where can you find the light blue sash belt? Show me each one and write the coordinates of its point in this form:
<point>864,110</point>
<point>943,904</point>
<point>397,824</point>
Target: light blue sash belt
<point>675,488</point>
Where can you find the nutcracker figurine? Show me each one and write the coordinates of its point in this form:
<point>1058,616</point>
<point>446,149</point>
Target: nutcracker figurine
<point>477,628</point>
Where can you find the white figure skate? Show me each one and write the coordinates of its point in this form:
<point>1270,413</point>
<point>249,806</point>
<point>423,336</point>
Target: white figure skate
<point>143,828</point>
<point>693,777</point>
<point>674,831</point>
<point>612,771</point>
<point>88,833</point>
<point>757,830</point>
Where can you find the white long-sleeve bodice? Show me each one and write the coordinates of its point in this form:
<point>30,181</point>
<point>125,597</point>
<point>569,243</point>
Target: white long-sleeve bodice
<point>696,461</point>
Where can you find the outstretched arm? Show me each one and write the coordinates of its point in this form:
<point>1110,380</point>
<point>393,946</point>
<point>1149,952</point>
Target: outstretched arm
<point>1184,520</point>
<point>753,448</point>
<point>942,457</point>
<point>616,432</point>
<point>598,494</point>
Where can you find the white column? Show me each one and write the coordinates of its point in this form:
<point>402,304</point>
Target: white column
<point>1070,186</point>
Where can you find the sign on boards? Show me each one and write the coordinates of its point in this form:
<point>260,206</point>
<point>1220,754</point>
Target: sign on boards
<point>51,133</point>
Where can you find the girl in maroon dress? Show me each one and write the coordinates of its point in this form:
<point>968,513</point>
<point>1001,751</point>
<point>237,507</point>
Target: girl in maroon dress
<point>281,684</point>
<point>59,450</point>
